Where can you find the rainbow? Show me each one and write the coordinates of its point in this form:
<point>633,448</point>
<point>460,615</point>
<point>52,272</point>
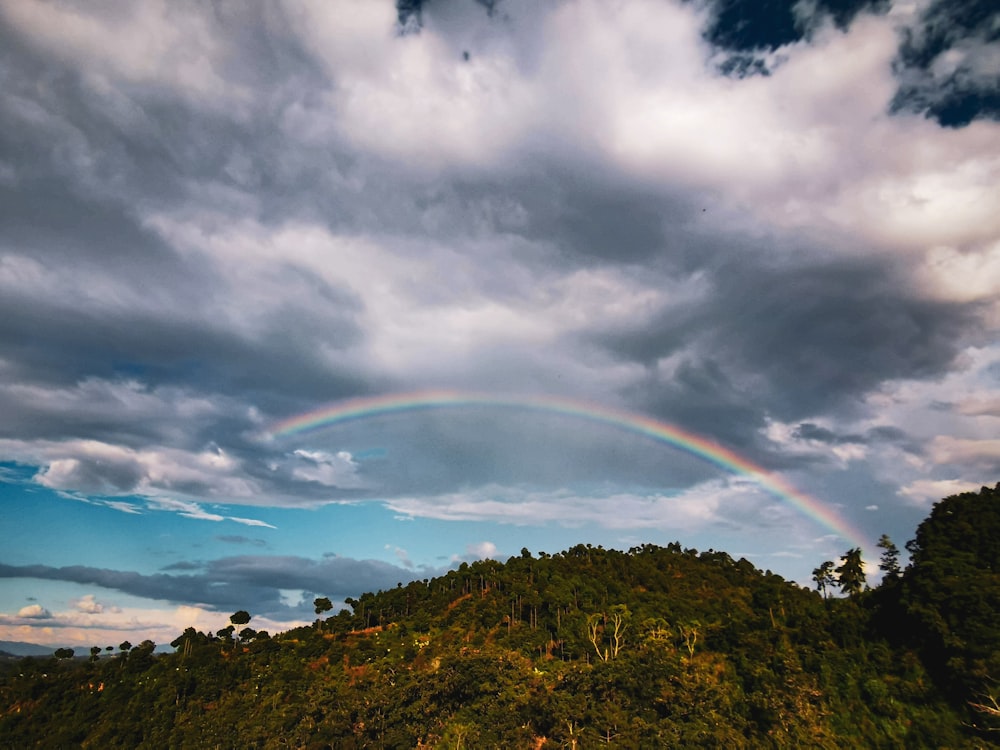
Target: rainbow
<point>358,409</point>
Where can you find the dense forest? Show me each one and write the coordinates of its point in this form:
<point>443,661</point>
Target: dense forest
<point>591,647</point>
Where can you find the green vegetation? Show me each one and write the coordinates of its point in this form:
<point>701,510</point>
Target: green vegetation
<point>653,647</point>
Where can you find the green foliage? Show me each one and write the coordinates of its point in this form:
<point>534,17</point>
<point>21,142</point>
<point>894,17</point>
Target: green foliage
<point>824,578</point>
<point>950,594</point>
<point>889,562</point>
<point>653,647</point>
<point>851,572</point>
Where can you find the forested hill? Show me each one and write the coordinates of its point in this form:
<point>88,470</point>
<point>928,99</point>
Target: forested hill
<point>653,647</point>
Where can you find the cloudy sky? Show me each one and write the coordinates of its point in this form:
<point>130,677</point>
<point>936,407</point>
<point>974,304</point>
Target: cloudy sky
<point>777,233</point>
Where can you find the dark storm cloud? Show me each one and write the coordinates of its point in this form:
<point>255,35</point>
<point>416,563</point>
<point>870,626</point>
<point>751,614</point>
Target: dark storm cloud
<point>331,575</point>
<point>77,147</point>
<point>57,342</point>
<point>825,335</point>
<point>246,582</point>
<point>789,341</point>
<point>702,397</point>
<point>876,435</point>
<point>116,301</point>
<point>588,221</point>
<point>99,478</point>
<point>810,431</point>
<point>151,144</point>
<point>106,298</point>
<point>57,130</point>
<point>177,589</point>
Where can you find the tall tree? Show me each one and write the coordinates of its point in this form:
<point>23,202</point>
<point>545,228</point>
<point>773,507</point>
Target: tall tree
<point>889,562</point>
<point>851,572</point>
<point>824,578</point>
<point>322,604</point>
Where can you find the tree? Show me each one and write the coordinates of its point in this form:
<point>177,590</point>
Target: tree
<point>322,604</point>
<point>63,653</point>
<point>951,589</point>
<point>824,578</point>
<point>95,652</point>
<point>141,657</point>
<point>185,642</point>
<point>689,633</point>
<point>609,628</point>
<point>248,634</point>
<point>125,647</point>
<point>595,633</point>
<point>889,562</point>
<point>226,633</point>
<point>851,572</point>
<point>241,617</point>
<point>619,621</point>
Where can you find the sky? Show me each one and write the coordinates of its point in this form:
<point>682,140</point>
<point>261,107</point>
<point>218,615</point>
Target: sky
<point>313,298</point>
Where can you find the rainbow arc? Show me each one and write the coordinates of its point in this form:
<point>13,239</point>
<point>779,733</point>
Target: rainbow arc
<point>367,408</point>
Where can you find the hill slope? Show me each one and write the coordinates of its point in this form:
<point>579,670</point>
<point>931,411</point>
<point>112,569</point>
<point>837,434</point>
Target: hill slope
<point>653,647</point>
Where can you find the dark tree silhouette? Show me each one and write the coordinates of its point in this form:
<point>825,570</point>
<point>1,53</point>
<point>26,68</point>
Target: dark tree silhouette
<point>889,562</point>
<point>824,578</point>
<point>322,604</point>
<point>851,572</point>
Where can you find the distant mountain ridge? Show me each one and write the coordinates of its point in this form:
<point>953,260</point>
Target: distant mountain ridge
<point>22,648</point>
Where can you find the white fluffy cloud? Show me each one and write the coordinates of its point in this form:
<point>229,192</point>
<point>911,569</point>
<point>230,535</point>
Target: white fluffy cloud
<point>332,469</point>
<point>88,604</point>
<point>34,611</point>
<point>972,453</point>
<point>926,491</point>
<point>481,550</point>
<point>103,468</point>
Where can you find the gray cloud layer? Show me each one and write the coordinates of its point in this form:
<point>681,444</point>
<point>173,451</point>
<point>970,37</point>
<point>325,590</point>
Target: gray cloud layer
<point>245,581</point>
<point>214,219</point>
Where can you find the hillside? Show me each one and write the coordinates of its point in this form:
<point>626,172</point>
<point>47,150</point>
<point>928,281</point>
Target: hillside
<point>650,647</point>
